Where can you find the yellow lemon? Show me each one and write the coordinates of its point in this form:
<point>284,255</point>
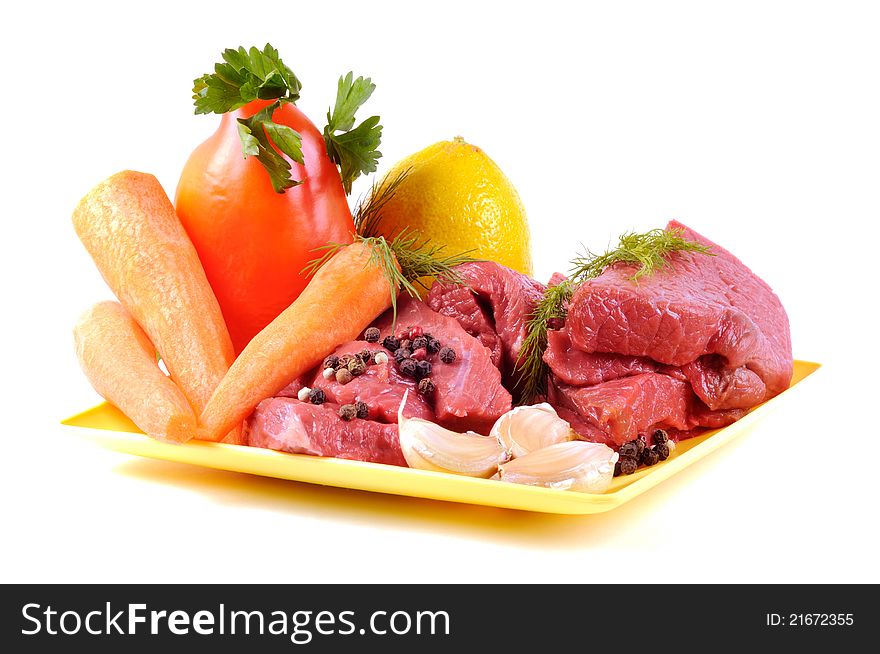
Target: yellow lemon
<point>454,195</point>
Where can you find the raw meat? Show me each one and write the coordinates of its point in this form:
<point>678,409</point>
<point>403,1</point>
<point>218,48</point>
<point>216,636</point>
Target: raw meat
<point>469,394</point>
<point>381,387</point>
<point>495,306</point>
<point>288,425</point>
<point>711,316</point>
<point>459,302</point>
<point>576,367</point>
<point>619,410</point>
<point>689,347</point>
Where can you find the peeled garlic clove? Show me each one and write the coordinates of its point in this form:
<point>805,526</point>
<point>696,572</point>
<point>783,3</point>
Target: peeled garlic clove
<point>574,465</point>
<point>529,428</point>
<point>428,446</point>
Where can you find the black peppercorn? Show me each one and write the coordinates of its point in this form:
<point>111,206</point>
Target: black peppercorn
<point>426,386</point>
<point>331,362</point>
<point>316,396</point>
<point>649,456</point>
<point>363,411</point>
<point>372,335</point>
<point>629,449</point>
<point>419,342</point>
<point>660,436</point>
<point>447,354</point>
<point>628,465</point>
<point>433,345</point>
<point>348,412</point>
<point>343,361</point>
<point>617,468</point>
<point>357,366</point>
<point>423,369</point>
<point>391,343</point>
<point>641,443</point>
<point>366,356</point>
<point>406,344</point>
<point>401,353</point>
<point>662,451</point>
<point>408,367</point>
<point>343,376</point>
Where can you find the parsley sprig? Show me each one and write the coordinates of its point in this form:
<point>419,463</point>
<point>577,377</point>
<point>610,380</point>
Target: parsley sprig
<point>648,251</point>
<point>246,75</point>
<point>353,149</point>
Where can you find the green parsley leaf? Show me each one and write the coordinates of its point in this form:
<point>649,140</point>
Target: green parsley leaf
<point>242,76</point>
<point>350,95</point>
<point>255,133</point>
<point>250,146</point>
<point>286,139</point>
<point>246,75</point>
<point>218,93</point>
<point>353,149</point>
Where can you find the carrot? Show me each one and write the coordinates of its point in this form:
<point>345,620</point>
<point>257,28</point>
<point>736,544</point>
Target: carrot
<point>120,362</point>
<point>340,301</point>
<point>128,225</point>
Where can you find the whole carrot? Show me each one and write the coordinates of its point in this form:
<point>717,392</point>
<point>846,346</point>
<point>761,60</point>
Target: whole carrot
<point>120,362</point>
<point>128,225</point>
<point>343,297</point>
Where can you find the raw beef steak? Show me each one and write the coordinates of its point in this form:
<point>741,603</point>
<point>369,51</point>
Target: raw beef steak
<point>494,307</point>
<point>288,425</point>
<point>469,394</point>
<point>709,315</point>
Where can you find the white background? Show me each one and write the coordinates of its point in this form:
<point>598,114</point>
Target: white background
<point>758,124</point>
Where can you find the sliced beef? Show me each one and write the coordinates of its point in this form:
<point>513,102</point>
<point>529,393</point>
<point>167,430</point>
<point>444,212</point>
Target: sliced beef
<point>288,425</point>
<point>469,394</point>
<point>381,387</point>
<point>578,368</point>
<point>708,315</point>
<point>722,386</point>
<point>617,411</point>
<point>506,299</point>
<point>459,302</point>
<point>692,346</point>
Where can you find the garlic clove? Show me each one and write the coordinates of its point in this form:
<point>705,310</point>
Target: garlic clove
<point>572,465</point>
<point>529,428</point>
<point>428,446</point>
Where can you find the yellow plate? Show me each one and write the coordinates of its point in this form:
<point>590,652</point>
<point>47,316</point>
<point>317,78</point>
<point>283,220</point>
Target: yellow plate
<point>110,428</point>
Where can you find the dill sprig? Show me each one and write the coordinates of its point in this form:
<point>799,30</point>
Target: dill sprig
<point>419,259</point>
<point>532,375</point>
<point>649,251</point>
<point>368,213</point>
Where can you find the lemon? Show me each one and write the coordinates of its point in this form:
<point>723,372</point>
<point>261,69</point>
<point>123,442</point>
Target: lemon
<point>454,195</point>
